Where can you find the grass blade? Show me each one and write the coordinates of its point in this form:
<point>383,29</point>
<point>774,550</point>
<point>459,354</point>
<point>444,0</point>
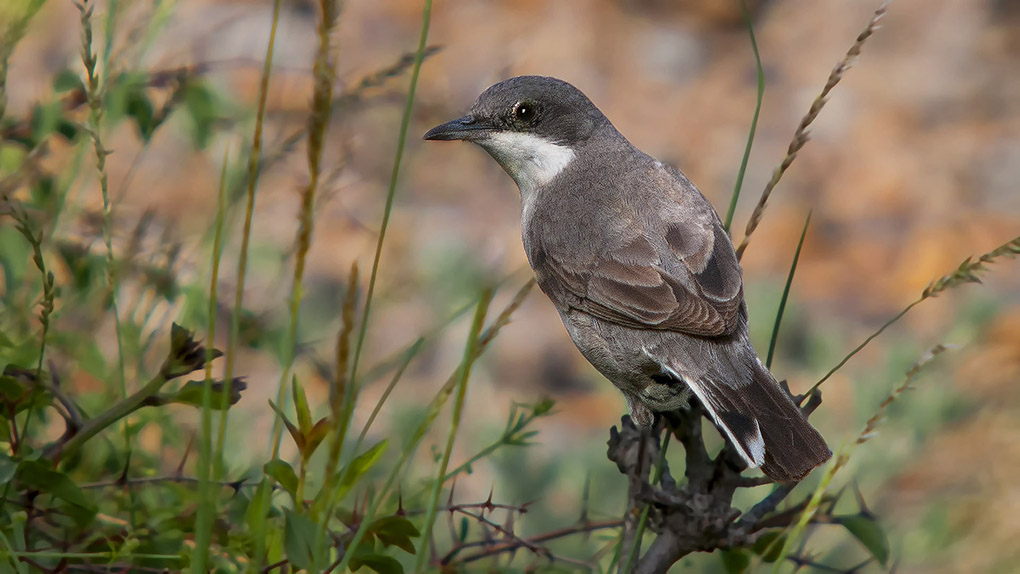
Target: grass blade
<point>800,136</point>
<point>966,272</point>
<point>754,119</point>
<point>207,506</point>
<point>786,294</point>
<point>392,190</point>
<point>431,412</point>
<point>242,266</point>
<point>470,356</point>
<point>842,456</point>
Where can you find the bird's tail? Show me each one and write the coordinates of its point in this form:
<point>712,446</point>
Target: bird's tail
<point>760,419</point>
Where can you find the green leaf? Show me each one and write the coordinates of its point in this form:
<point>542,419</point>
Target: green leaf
<point>304,414</point>
<point>45,118</point>
<point>769,546</point>
<point>299,536</point>
<point>260,503</point>
<point>8,467</point>
<point>11,389</point>
<point>316,435</point>
<point>786,294</point>
<point>299,438</point>
<point>543,407</point>
<point>282,472</point>
<point>735,560</point>
<point>378,562</point>
<point>191,393</point>
<point>66,81</point>
<point>395,531</point>
<point>39,476</point>
<point>869,532</point>
<point>200,104</point>
<point>139,108</point>
<point>360,465</point>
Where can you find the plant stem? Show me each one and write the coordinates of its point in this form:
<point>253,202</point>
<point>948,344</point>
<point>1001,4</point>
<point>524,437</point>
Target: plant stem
<point>470,355</point>
<point>786,294</point>
<point>107,418</point>
<point>754,120</point>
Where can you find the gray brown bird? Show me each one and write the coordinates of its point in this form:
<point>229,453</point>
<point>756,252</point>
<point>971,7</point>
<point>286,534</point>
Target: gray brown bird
<point>639,267</point>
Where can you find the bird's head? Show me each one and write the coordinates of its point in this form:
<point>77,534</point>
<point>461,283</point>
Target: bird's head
<point>531,125</point>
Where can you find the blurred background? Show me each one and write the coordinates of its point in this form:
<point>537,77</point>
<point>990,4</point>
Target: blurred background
<point>913,166</point>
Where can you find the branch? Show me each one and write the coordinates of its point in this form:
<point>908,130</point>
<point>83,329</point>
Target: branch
<point>513,545</point>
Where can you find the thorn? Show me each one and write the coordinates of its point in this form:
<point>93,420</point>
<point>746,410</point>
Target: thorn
<point>123,478</point>
<point>865,511</point>
<point>184,459</point>
<point>449,499</point>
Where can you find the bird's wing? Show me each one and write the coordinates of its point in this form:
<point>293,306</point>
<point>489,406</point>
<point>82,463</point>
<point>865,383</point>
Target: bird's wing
<point>678,273</point>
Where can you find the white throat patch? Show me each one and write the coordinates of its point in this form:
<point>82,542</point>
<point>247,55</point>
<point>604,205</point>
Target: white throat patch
<point>531,160</point>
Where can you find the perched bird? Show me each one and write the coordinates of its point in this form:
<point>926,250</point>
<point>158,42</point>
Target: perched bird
<point>640,268</point>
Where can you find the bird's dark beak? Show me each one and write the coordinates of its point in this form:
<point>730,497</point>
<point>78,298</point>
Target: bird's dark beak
<point>465,128</point>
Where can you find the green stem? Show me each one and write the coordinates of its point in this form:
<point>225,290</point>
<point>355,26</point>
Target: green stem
<point>107,418</point>
<point>863,344</point>
<point>207,501</point>
<point>754,120</point>
<point>786,294</point>
<point>255,565</point>
<point>470,356</point>
<point>405,122</point>
<point>351,392</point>
<point>505,439</point>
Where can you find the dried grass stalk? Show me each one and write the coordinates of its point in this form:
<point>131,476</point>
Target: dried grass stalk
<point>800,137</point>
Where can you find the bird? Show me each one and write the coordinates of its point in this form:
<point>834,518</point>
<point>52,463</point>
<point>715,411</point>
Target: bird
<point>640,268</point>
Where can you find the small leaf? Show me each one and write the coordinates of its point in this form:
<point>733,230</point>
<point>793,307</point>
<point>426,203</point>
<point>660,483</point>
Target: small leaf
<point>735,560</point>
<point>200,103</point>
<point>299,536</point>
<point>37,475</point>
<point>395,531</point>
<point>67,128</point>
<point>543,407</point>
<point>11,388</point>
<point>282,472</point>
<point>299,439</point>
<point>378,562</point>
<point>66,81</point>
<point>8,467</point>
<point>869,532</point>
<point>304,414</point>
<point>360,465</point>
<point>191,393</point>
<point>139,107</point>
<point>186,354</point>
<point>316,435</point>
<point>257,508</point>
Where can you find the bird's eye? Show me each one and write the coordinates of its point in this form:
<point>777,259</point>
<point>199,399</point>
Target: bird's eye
<point>525,111</point>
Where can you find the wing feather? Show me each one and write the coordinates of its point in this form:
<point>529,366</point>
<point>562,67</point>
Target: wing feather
<point>672,288</point>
